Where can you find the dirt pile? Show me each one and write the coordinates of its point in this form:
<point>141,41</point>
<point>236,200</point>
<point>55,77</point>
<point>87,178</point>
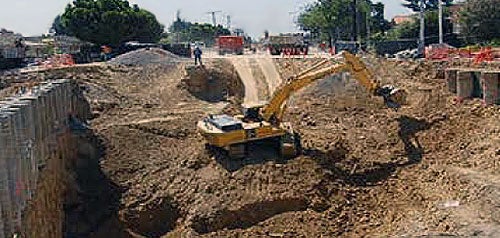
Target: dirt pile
<point>146,57</point>
<point>293,66</point>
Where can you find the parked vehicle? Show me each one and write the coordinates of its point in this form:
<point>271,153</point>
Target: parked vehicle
<point>287,44</point>
<point>12,56</point>
<point>230,44</point>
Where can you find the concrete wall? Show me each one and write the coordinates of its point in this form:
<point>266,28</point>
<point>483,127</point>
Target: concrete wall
<point>31,127</point>
<point>474,83</point>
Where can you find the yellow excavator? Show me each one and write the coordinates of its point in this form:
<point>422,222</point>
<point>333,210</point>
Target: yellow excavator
<point>263,121</point>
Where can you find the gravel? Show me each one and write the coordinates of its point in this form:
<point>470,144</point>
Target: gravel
<point>143,57</point>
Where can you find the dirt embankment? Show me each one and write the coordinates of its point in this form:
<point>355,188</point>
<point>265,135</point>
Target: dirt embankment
<point>169,183</point>
<point>217,80</point>
<point>12,82</point>
<point>259,77</point>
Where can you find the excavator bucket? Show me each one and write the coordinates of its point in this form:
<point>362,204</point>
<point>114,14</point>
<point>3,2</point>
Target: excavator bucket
<point>393,97</point>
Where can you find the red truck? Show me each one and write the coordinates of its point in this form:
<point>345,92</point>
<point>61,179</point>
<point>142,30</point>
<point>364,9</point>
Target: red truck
<point>230,44</point>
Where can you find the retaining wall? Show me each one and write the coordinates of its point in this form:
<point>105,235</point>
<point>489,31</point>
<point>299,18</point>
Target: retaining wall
<point>474,83</point>
<point>33,150</point>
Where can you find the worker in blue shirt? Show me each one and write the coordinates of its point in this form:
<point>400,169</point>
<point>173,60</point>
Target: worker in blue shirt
<point>197,55</point>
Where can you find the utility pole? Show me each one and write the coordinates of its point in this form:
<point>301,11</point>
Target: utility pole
<point>355,20</point>
<point>214,21</point>
<point>421,43</point>
<point>440,5</point>
<point>368,15</point>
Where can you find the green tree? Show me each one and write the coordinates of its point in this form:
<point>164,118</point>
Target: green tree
<point>333,20</point>
<point>481,20</point>
<point>108,22</point>
<point>184,31</point>
<point>428,4</point>
<point>378,22</point>
<point>410,30</point>
<point>58,28</point>
<point>330,18</point>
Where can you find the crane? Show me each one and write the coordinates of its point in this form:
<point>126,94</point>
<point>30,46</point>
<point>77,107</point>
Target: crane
<point>214,19</point>
<point>228,21</point>
<point>265,121</point>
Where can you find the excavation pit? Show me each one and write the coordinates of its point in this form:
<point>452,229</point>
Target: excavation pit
<point>214,82</point>
<point>247,215</point>
<point>155,219</point>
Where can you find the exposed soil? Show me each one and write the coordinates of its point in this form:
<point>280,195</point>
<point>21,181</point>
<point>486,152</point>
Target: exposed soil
<point>147,57</point>
<point>255,78</point>
<point>429,169</point>
<point>215,81</point>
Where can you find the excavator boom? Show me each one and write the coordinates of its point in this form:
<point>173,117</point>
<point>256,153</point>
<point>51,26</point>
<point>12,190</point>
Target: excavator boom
<point>393,97</point>
<point>283,93</point>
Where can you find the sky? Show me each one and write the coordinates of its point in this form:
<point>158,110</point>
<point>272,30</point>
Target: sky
<point>34,17</point>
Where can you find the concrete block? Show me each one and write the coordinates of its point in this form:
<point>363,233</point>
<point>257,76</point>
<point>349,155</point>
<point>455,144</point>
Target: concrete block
<point>451,79</point>
<point>490,81</point>
<point>465,84</point>
<point>5,190</point>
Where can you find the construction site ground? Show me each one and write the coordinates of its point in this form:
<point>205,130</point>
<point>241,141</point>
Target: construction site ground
<point>428,169</point>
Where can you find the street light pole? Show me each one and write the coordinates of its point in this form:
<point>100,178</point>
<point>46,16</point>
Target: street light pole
<point>421,43</point>
<point>355,20</point>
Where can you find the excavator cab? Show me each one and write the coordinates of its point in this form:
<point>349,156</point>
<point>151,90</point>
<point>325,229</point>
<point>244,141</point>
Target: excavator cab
<point>252,111</point>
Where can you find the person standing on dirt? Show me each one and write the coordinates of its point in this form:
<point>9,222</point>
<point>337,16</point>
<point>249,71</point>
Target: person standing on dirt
<point>197,55</point>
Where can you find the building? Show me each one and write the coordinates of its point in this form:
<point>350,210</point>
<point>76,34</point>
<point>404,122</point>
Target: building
<point>399,19</point>
<point>455,16</point>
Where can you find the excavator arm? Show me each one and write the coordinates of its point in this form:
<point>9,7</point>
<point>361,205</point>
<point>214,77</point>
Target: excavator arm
<point>274,110</point>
